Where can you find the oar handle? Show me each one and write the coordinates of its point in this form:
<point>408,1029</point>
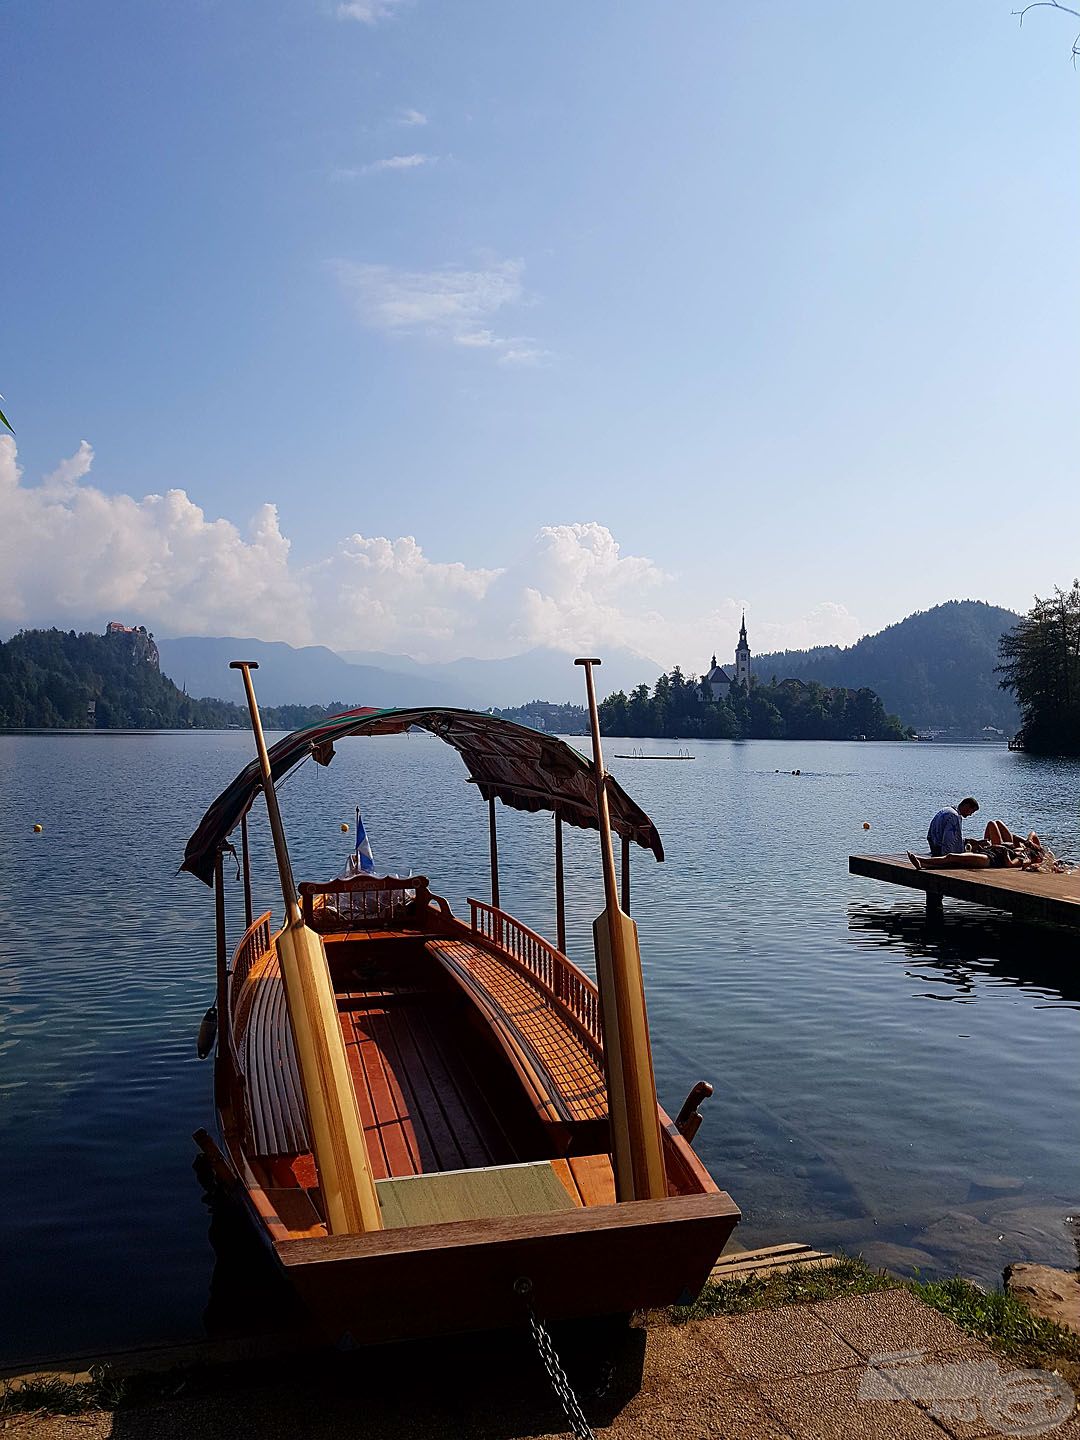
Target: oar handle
<point>277,830</point>
<point>603,814</point>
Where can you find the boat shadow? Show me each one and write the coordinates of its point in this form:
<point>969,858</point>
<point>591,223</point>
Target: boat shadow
<point>286,1380</point>
<point>484,1387</point>
<point>966,946</point>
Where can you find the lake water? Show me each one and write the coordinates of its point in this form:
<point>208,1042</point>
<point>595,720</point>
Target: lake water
<point>883,1087</point>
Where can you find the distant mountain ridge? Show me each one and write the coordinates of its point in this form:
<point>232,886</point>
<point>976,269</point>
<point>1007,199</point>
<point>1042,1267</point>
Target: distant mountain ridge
<point>935,669</point>
<point>309,675</point>
<point>515,680</point>
<point>314,675</point>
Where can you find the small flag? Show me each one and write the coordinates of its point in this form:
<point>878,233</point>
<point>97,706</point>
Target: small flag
<point>365,861</point>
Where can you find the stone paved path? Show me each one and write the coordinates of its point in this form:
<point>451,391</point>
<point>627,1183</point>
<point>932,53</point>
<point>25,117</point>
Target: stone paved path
<point>795,1373</point>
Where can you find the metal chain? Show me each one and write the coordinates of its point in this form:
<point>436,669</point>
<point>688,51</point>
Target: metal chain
<point>579,1426</point>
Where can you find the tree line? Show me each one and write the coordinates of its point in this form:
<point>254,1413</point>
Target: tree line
<point>1040,664</point>
<point>48,679</point>
<point>681,707</point>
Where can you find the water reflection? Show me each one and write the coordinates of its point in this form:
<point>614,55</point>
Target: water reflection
<point>968,947</point>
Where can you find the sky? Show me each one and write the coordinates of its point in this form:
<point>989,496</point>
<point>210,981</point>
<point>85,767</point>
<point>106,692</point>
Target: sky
<point>458,328</point>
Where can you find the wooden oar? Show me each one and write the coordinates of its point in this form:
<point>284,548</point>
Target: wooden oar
<point>635,1126</point>
<point>337,1135</point>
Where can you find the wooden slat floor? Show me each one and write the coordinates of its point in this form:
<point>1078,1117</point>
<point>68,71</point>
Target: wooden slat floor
<point>423,1104</point>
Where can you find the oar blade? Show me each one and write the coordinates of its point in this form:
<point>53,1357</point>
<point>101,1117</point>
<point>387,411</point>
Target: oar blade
<point>336,1131</point>
<point>635,1126</point>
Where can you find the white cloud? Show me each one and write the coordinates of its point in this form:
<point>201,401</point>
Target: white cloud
<point>451,304</point>
<point>378,167</point>
<point>408,116</point>
<point>368,12</point>
<point>399,162</point>
<point>73,555</point>
<point>69,553</point>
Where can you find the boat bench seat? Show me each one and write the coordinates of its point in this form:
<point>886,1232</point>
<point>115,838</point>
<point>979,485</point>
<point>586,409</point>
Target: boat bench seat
<point>275,1099</point>
<point>565,1077</point>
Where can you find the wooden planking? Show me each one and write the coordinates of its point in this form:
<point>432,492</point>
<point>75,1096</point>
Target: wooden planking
<point>480,1136</point>
<point>423,1107</point>
<point>587,1179</point>
<point>770,1260</point>
<point>570,1078</point>
<point>1053,899</point>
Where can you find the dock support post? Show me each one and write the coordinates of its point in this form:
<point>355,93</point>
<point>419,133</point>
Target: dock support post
<point>935,906</point>
<point>560,889</point>
<point>247,871</point>
<point>626,874</point>
<point>493,840</point>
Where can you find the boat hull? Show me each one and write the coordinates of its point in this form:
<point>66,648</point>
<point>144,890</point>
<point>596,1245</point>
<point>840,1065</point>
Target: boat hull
<point>467,1275</point>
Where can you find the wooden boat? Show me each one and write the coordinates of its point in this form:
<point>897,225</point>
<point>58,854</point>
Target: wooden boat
<point>417,1110</point>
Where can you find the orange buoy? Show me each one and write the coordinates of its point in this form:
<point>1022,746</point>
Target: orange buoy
<point>38,829</point>
<point>866,824</point>
<point>344,829</point>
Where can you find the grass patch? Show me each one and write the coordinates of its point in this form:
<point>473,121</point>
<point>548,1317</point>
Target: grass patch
<point>1006,1323</point>
<point>52,1395</point>
<point>799,1286</point>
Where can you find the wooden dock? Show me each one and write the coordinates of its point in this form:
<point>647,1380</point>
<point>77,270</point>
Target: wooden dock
<point>1028,895</point>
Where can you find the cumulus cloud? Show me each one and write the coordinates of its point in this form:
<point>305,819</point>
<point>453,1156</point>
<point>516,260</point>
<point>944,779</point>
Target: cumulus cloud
<point>408,116</point>
<point>451,304</point>
<point>69,553</point>
<point>73,555</point>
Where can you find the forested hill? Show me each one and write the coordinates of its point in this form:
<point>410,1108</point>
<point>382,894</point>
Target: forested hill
<point>56,679</point>
<point>934,669</point>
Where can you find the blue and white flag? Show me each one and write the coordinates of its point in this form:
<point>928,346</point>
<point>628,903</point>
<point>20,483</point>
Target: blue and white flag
<point>364,861</point>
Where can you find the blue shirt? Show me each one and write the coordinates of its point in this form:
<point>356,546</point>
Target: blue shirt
<point>945,836</point>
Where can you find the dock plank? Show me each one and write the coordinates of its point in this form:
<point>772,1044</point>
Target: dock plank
<point>1027,894</point>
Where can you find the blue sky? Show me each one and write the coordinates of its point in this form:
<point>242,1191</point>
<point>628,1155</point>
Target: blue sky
<point>628,314</point>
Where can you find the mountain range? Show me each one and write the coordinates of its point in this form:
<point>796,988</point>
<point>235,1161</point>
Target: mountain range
<point>312,674</point>
<point>935,669</point>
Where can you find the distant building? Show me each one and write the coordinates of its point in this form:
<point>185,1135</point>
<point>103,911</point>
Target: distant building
<point>721,678</point>
<point>139,640</point>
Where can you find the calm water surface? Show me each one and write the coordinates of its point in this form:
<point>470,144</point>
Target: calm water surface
<point>879,1086</point>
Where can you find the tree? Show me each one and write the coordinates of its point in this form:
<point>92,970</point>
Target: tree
<point>1040,664</point>
<point>1053,5</point>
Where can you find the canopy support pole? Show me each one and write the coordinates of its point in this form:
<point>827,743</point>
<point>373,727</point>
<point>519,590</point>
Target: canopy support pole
<point>560,889</point>
<point>626,874</point>
<point>219,926</point>
<point>493,841</point>
<point>247,871</point>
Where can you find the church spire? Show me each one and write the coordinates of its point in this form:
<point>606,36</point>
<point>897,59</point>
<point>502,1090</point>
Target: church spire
<point>742,657</point>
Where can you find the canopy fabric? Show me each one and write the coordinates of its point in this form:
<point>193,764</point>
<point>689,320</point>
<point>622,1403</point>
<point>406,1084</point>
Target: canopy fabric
<point>523,768</point>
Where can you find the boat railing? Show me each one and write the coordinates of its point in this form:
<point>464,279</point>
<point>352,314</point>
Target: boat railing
<point>542,960</point>
<point>255,943</point>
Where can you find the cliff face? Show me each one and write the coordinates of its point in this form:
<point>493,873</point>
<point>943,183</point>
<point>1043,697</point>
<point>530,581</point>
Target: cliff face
<point>138,641</point>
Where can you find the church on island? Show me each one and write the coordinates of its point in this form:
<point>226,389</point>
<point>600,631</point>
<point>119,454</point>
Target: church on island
<point>721,678</point>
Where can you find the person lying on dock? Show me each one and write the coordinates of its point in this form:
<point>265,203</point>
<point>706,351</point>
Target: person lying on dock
<point>998,847</point>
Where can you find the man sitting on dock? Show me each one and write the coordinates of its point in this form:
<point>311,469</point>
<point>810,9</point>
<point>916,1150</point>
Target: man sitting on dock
<point>946,840</point>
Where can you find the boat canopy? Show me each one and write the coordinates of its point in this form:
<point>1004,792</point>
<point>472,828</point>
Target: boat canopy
<point>523,768</point>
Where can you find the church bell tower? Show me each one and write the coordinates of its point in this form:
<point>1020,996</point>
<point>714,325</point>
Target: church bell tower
<point>742,657</point>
